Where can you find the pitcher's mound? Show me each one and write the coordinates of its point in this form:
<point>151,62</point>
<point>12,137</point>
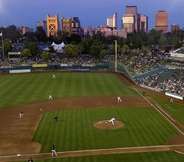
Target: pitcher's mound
<point>104,124</point>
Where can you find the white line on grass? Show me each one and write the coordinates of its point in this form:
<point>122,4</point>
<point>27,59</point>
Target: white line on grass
<point>166,114</point>
<point>171,108</point>
<point>154,106</point>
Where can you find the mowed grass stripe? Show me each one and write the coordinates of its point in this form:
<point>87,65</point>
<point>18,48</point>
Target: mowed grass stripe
<point>166,156</point>
<point>140,129</point>
<point>24,88</point>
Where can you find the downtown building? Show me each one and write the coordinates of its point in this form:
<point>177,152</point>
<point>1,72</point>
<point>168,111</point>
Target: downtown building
<point>161,21</point>
<point>133,21</point>
<point>68,26</point>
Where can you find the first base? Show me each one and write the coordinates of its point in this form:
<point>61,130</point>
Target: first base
<point>40,109</point>
<point>18,154</point>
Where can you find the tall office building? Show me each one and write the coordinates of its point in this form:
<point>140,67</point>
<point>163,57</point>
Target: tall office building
<point>134,21</point>
<point>143,23</point>
<point>132,10</point>
<point>43,24</point>
<point>174,27</point>
<point>112,21</point>
<point>67,25</point>
<point>52,25</point>
<point>161,21</point>
<point>128,23</point>
<point>76,28</point>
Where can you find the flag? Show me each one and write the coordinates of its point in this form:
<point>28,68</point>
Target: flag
<point>1,34</point>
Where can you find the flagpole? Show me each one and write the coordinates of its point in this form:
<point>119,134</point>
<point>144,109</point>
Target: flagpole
<point>2,44</point>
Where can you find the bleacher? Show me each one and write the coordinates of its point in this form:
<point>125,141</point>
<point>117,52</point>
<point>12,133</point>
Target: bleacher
<point>154,72</point>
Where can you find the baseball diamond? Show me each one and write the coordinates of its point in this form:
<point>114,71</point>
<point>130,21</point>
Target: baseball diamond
<point>22,135</point>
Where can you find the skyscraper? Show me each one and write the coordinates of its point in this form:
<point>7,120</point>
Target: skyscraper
<point>161,21</point>
<point>52,25</point>
<point>112,21</point>
<point>134,21</point>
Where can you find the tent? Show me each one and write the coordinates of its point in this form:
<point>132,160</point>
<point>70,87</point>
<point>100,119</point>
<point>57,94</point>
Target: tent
<point>58,47</point>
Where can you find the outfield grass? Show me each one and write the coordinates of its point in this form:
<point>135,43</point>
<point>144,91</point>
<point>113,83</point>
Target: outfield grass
<point>75,131</point>
<point>24,88</point>
<point>168,156</point>
<point>174,109</point>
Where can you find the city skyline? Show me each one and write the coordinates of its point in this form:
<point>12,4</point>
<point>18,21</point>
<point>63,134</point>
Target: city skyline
<point>90,13</point>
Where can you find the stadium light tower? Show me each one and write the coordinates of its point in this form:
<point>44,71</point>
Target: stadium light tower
<point>115,63</point>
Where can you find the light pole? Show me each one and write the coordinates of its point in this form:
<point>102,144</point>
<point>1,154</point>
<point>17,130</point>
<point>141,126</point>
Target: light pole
<point>115,63</point>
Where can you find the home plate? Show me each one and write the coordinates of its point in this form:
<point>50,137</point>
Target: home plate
<point>18,154</point>
<point>40,109</point>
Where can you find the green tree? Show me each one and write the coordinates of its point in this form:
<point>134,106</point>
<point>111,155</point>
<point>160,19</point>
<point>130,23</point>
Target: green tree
<point>176,43</point>
<point>95,49</point>
<point>144,50</point>
<point>105,52</point>
<point>162,41</point>
<point>46,55</point>
<point>125,49</point>
<point>135,52</point>
<point>7,46</point>
<point>76,38</point>
<point>71,50</point>
<point>26,53</point>
<point>33,47</point>
<point>40,34</point>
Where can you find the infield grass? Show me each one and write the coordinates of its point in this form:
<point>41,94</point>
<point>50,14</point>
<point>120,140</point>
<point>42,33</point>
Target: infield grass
<point>18,89</point>
<point>75,131</point>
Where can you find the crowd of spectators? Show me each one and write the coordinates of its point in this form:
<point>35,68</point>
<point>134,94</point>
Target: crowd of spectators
<point>135,64</point>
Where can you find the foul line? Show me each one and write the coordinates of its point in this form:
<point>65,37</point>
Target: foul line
<point>153,106</point>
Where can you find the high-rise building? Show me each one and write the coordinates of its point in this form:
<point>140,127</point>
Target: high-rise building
<point>25,29</point>
<point>76,28</point>
<point>67,25</point>
<point>43,24</point>
<point>133,10</point>
<point>174,27</point>
<point>112,21</point>
<point>161,21</point>
<point>143,23</point>
<point>134,21</point>
<point>52,25</point>
<point>128,23</point>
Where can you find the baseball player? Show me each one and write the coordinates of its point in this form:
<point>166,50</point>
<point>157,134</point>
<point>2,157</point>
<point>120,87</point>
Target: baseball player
<point>50,97</point>
<point>56,118</point>
<point>21,114</point>
<point>171,100</point>
<point>112,121</point>
<point>53,150</point>
<point>53,76</point>
<point>119,99</point>
<point>30,160</point>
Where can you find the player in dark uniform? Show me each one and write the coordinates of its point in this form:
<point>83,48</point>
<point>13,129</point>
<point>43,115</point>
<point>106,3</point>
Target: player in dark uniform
<point>56,119</point>
<point>53,150</point>
<point>30,160</point>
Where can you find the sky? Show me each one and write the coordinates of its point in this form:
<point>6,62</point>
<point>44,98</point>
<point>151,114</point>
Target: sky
<point>90,12</point>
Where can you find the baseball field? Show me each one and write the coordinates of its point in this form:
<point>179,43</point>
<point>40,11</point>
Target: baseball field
<point>147,128</point>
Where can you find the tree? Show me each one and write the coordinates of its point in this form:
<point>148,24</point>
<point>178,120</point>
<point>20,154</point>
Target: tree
<point>26,53</point>
<point>176,43</point>
<point>144,50</point>
<point>45,55</point>
<point>34,49</point>
<point>125,49</point>
<point>135,52</point>
<point>71,50</point>
<point>95,49</point>
<point>76,38</point>
<point>40,34</point>
<point>162,41</point>
<point>105,52</point>
<point>7,46</point>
